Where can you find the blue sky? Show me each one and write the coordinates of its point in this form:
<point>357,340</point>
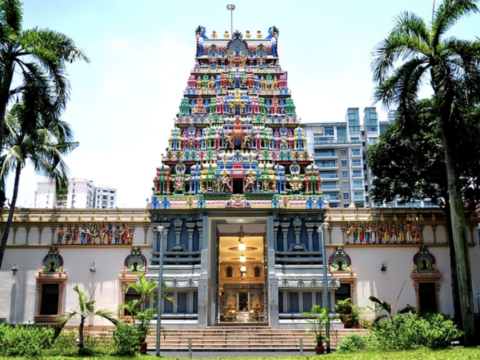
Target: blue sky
<point>123,103</point>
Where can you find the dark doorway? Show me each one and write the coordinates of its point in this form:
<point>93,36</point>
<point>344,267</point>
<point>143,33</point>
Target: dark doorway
<point>427,297</point>
<point>49,305</point>
<point>342,293</point>
<point>243,301</point>
<point>238,186</point>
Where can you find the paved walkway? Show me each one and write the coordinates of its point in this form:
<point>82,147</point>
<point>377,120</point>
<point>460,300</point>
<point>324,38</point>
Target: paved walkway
<point>230,354</point>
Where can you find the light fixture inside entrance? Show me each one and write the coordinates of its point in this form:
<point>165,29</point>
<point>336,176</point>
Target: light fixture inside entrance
<point>243,258</point>
<point>243,269</point>
<point>241,245</point>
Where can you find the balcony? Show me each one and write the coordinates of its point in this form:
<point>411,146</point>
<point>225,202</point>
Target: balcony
<point>333,199</point>
<point>326,156</point>
<point>354,129</point>
<point>329,188</point>
<point>327,166</point>
<point>357,165</point>
<point>356,154</point>
<point>336,143</point>
<point>357,176</point>
<point>329,176</point>
<point>359,198</point>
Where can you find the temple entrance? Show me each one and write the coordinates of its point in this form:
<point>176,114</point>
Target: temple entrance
<point>241,278</point>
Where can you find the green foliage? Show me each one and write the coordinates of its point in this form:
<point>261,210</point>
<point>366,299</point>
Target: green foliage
<point>25,341</point>
<point>126,339</point>
<point>404,332</point>
<point>406,164</point>
<point>66,340</point>
<point>318,317</point>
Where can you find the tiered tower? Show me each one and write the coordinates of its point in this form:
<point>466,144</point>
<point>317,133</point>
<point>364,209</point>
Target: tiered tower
<point>236,141</point>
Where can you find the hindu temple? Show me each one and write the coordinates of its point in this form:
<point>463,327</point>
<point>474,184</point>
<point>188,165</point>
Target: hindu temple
<point>238,217</point>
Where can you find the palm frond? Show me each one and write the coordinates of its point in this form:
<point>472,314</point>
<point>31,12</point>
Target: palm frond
<point>448,14</point>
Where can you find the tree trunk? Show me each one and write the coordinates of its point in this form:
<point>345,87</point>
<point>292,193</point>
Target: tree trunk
<point>5,84</point>
<point>3,246</point>
<point>80,334</point>
<point>460,239</point>
<point>453,266</point>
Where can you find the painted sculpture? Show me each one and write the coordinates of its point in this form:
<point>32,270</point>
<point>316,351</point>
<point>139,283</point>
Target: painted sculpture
<point>236,140</point>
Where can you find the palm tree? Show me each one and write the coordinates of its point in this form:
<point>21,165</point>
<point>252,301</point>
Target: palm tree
<point>384,309</point>
<point>37,56</point>
<point>86,309</point>
<point>44,147</point>
<point>146,289</point>
<point>453,68</point>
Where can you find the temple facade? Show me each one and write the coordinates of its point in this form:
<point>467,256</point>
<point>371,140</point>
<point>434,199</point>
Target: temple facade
<point>237,216</point>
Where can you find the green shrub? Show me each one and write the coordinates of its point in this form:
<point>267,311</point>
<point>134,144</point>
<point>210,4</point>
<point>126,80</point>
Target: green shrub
<point>24,340</point>
<point>404,332</point>
<point>66,340</point>
<point>126,338</point>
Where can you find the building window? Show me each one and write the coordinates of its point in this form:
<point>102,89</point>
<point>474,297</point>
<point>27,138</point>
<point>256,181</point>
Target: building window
<point>328,131</point>
<point>344,162</point>
<point>229,272</point>
<point>333,205</point>
<point>372,140</point>
<point>346,205</point>
<point>257,271</point>
<point>358,184</point>
<point>357,173</point>
<point>356,162</point>
<point>346,196</point>
<point>344,174</point>
<point>345,185</point>
<point>343,152</point>
<point>111,198</point>
<point>49,299</point>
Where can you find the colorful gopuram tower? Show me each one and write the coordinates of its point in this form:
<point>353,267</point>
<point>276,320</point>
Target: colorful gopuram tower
<point>236,141</point>
<point>236,208</point>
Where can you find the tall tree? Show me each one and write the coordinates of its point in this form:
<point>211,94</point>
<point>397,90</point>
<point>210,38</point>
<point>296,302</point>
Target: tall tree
<point>44,147</point>
<point>408,166</point>
<point>35,59</point>
<point>412,52</point>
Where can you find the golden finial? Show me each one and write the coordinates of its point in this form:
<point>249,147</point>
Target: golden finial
<point>433,217</point>
<point>408,217</point>
<point>226,35</point>
<point>66,218</point>
<point>395,218</point>
<point>342,218</point>
<point>421,217</point>
<point>247,34</point>
<point>259,34</point>
<point>382,218</point>
<point>214,34</point>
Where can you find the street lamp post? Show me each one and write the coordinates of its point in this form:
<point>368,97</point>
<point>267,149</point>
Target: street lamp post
<point>231,7</point>
<point>326,302</point>
<point>161,231</point>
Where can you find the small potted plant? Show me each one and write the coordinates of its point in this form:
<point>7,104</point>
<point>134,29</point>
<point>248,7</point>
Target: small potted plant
<point>345,309</point>
<point>318,318</point>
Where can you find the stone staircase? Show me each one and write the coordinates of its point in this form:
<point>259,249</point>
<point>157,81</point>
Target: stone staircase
<point>242,339</point>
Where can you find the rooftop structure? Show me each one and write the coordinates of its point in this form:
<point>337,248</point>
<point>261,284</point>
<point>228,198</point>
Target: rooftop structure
<point>237,139</point>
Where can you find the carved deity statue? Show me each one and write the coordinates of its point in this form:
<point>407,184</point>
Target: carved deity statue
<point>225,182</point>
<point>250,182</point>
<point>60,235</point>
<point>109,234</point>
<point>227,139</point>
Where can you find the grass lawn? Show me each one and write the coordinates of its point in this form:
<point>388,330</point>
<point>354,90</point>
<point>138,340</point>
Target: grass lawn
<point>456,354</point>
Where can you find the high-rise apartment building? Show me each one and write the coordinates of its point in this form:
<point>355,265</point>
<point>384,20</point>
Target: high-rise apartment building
<point>339,149</point>
<point>82,194</point>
